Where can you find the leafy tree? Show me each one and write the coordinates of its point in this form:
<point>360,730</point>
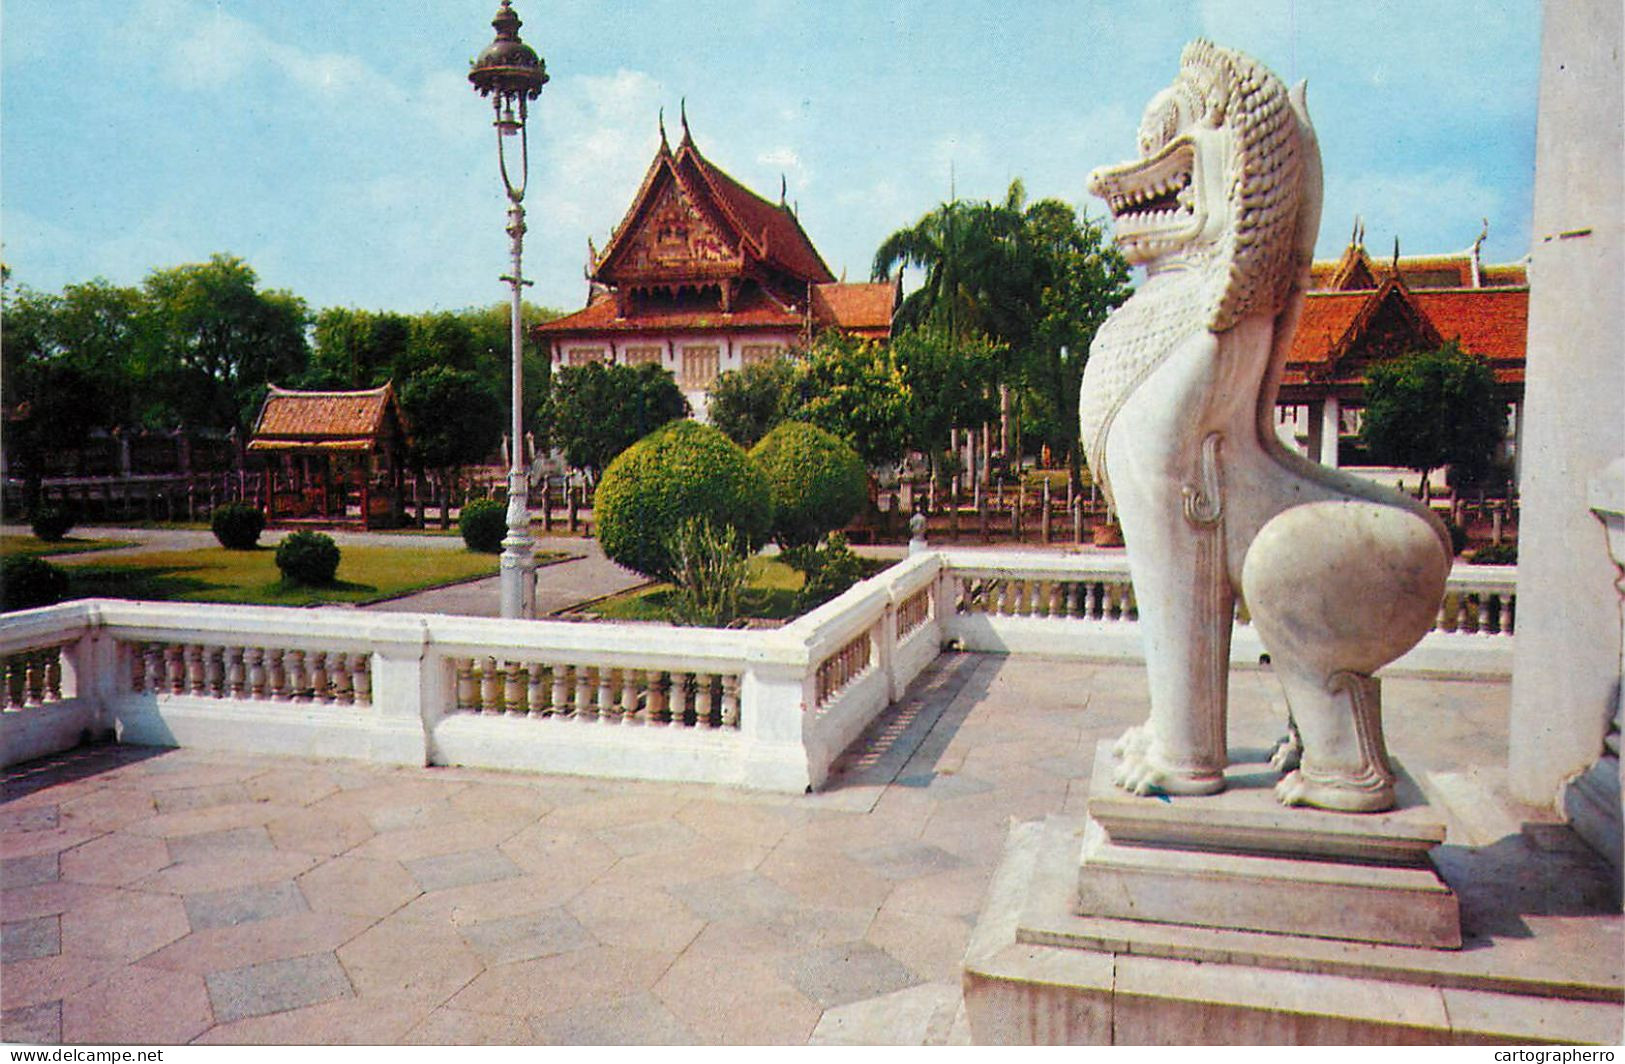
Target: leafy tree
<point>1433,408</point>
<point>357,348</point>
<point>818,483</point>
<point>212,341</point>
<point>454,418</point>
<point>951,383</point>
<point>746,404</point>
<point>854,390</point>
<point>601,410</point>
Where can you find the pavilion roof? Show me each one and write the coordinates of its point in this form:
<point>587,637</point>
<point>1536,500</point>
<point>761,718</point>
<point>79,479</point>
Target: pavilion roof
<point>325,420</point>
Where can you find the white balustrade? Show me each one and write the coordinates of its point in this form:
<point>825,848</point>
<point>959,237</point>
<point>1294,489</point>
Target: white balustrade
<point>768,708</point>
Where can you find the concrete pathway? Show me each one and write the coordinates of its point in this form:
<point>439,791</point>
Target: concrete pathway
<point>182,896</point>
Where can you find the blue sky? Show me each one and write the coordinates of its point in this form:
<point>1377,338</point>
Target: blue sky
<point>337,146</point>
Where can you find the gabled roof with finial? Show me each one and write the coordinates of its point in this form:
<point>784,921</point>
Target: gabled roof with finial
<point>690,220</point>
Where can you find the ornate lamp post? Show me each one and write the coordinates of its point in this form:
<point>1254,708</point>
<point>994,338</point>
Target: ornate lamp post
<point>512,74</point>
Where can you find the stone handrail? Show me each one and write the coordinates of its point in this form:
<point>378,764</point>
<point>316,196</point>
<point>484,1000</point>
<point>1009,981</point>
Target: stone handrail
<point>765,709</point>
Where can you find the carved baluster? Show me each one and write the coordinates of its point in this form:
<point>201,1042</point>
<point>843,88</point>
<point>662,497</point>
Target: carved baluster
<point>1131,605</point>
<point>585,689</point>
<point>276,679</point>
<point>254,657</point>
<point>608,711</point>
<point>702,700</point>
<point>138,666</point>
<point>631,682</point>
<point>298,675</point>
<point>34,678</point>
<point>1071,606</point>
<point>361,678</point>
<point>560,703</point>
<point>53,674</point>
<point>655,710</point>
<point>192,655</point>
<point>679,698</point>
<point>343,688</point>
<point>320,686</point>
<point>1484,623</point>
<point>490,687</point>
<point>514,694</point>
<point>236,675</point>
<point>467,691</point>
<point>174,669</point>
<point>536,683</point>
<point>1509,609</point>
<point>214,671</point>
<point>16,681</point>
<point>730,701</point>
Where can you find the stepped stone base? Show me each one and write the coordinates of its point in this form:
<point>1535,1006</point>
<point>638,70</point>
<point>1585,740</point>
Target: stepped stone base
<point>1241,861</point>
<point>1238,944</point>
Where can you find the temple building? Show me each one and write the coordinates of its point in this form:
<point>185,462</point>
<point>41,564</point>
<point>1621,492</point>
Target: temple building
<point>1359,311</point>
<point>703,276</point>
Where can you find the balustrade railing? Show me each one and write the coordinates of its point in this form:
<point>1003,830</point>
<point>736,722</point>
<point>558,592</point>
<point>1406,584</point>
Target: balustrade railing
<point>770,709</point>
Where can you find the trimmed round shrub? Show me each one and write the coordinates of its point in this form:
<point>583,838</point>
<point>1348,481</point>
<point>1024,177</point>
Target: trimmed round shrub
<point>681,471</point>
<point>237,525</point>
<point>308,558</point>
<point>484,524</point>
<point>27,582</point>
<point>1505,554</point>
<point>816,479</point>
<point>51,523</point>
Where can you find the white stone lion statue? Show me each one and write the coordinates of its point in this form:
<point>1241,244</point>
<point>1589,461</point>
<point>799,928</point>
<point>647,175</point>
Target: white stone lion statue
<point>1341,576</point>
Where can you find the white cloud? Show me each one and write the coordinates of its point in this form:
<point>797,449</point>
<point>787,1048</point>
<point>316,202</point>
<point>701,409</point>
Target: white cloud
<point>1431,210</point>
<point>783,157</point>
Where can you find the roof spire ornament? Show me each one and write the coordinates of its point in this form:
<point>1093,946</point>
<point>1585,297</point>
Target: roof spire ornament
<point>1396,253</point>
<point>682,106</point>
<point>784,188</point>
<point>662,121</point>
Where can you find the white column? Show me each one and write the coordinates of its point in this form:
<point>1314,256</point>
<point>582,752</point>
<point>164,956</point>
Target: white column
<point>1331,424</point>
<point>1566,662</point>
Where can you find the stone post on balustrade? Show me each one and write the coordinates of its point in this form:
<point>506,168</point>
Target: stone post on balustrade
<point>916,533</point>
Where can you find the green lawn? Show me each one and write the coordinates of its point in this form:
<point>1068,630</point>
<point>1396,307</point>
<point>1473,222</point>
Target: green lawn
<point>213,574</point>
<point>770,594</point>
<point>32,547</point>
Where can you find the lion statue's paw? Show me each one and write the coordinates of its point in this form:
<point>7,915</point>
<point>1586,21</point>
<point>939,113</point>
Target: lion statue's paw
<point>1362,795</point>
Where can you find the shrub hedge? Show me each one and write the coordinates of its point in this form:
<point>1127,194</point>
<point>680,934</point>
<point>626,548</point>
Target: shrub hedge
<point>817,481</point>
<point>681,471</point>
<point>27,582</point>
<point>51,523</point>
<point>484,524</point>
<point>308,558</point>
<point>237,525</point>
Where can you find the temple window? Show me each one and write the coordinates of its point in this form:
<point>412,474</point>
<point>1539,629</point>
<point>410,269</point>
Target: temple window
<point>700,365</point>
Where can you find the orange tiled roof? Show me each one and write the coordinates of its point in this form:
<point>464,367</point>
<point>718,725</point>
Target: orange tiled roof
<point>864,309</point>
<point>1354,270</point>
<point>754,310</point>
<point>330,418</point>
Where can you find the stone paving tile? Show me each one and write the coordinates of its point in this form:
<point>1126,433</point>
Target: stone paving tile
<point>276,986</point>
<point>944,785</point>
<point>914,1016</point>
<point>42,979</point>
<point>930,946</point>
<point>14,844</point>
<point>31,818</point>
<point>819,877</point>
<point>181,799</point>
<point>400,955</point>
<point>518,798</point>
<point>736,1000</point>
<point>140,1006</point>
<point>274,939</point>
<point>564,981</point>
<point>215,844</point>
<point>653,836</point>
<point>110,809</point>
<point>244,905</point>
<point>744,896</point>
<point>115,860</point>
<point>515,896</point>
<point>378,1019</point>
<point>794,930</point>
<point>945,894</point>
<point>460,1027</point>
<point>908,861</point>
<point>23,940</point>
<point>215,822</point>
<point>293,785</point>
<point>48,898</point>
<point>546,847</point>
<point>324,832</point>
<point>33,1025</point>
<point>461,869</point>
<point>27,871</point>
<point>841,974</point>
<point>355,885</point>
<point>618,914</point>
<point>460,833</point>
<point>226,872</point>
<point>524,938</point>
<point>634,1020</point>
<point>123,927</point>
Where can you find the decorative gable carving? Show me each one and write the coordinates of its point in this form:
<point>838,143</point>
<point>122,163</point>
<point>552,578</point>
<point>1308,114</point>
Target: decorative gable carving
<point>675,238</point>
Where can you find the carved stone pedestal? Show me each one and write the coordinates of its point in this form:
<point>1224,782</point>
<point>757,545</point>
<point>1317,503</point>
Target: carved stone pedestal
<point>1241,861</point>
<point>1229,920</point>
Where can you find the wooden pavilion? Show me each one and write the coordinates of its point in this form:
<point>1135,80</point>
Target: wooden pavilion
<point>329,452</point>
